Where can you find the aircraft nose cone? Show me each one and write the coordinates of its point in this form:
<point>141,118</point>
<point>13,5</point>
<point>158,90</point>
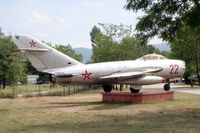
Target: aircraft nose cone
<point>182,67</point>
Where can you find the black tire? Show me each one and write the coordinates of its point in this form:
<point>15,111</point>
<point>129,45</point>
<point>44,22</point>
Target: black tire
<point>134,90</point>
<point>107,88</point>
<point>166,87</point>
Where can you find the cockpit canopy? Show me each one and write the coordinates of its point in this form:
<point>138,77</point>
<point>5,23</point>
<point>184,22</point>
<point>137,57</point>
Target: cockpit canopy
<point>152,57</point>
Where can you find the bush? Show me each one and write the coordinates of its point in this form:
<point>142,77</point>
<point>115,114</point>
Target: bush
<point>8,94</point>
<point>54,93</point>
<point>28,95</point>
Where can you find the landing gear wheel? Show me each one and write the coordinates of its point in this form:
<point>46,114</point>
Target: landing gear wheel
<point>166,87</point>
<point>134,90</point>
<point>107,88</point>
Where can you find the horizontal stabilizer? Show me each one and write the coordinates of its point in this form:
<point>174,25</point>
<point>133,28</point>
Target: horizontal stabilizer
<point>32,51</point>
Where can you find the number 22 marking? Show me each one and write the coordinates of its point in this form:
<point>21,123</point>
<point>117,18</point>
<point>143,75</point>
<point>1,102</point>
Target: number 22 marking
<point>174,69</point>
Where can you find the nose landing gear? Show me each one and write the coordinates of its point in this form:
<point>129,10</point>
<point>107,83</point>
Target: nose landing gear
<point>167,86</point>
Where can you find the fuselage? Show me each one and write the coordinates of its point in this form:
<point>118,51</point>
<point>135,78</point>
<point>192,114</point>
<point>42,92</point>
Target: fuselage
<point>90,73</point>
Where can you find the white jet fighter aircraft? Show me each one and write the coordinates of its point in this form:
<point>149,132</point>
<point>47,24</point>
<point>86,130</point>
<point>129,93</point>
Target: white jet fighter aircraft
<point>149,69</point>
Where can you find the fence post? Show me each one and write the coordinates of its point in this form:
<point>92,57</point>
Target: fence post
<point>116,87</point>
<point>120,87</point>
<point>64,90</point>
<point>26,89</point>
<point>69,90</point>
<point>14,90</point>
<point>74,89</point>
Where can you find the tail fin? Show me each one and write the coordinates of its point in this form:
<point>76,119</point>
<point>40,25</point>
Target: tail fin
<point>42,56</point>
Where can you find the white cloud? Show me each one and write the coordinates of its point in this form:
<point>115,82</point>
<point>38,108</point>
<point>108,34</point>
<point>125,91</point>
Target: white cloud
<point>127,13</point>
<point>97,4</point>
<point>84,45</point>
<point>76,10</point>
<point>156,40</point>
<point>41,34</point>
<point>37,17</point>
<point>61,19</point>
<point>86,3</point>
<point>31,1</point>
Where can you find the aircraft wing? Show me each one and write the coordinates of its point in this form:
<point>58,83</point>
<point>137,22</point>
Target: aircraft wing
<point>123,75</point>
<point>151,69</point>
<point>138,72</point>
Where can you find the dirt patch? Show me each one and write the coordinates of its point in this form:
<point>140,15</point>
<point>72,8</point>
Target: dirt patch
<point>69,109</point>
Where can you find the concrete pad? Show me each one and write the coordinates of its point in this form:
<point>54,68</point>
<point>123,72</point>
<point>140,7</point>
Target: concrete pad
<point>187,90</point>
<point>179,88</point>
<point>141,97</point>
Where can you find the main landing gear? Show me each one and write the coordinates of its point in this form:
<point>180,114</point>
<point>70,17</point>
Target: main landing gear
<point>167,86</point>
<point>107,88</point>
<point>134,90</point>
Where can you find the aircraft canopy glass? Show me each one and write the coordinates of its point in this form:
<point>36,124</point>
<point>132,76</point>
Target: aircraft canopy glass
<point>152,57</point>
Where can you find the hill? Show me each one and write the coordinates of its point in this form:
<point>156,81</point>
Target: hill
<point>162,46</point>
<point>86,52</point>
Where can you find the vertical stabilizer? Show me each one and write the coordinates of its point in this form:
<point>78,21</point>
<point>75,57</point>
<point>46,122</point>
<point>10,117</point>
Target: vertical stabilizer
<point>42,56</point>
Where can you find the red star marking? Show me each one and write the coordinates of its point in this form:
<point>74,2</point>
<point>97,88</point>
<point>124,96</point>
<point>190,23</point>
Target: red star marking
<point>86,75</point>
<point>32,43</point>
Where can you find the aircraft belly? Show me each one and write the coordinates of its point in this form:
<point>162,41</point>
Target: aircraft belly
<point>63,80</point>
<point>104,81</point>
<point>166,75</point>
<point>81,81</point>
<point>146,80</point>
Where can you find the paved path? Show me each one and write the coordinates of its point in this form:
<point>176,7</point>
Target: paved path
<point>175,88</point>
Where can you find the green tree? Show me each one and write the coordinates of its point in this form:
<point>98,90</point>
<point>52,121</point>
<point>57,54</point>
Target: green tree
<point>165,17</point>
<point>67,50</point>
<point>117,32</point>
<point>116,42</point>
<point>186,46</point>
<point>130,49</point>
<point>94,32</point>
<point>11,67</point>
<point>104,48</point>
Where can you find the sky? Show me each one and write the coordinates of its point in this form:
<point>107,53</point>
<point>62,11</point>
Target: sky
<point>63,21</point>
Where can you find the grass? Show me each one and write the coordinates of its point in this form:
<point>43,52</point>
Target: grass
<point>30,90</point>
<point>85,113</point>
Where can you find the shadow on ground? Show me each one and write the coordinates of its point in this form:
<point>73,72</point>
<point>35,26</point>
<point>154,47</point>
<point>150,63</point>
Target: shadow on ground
<point>166,121</point>
<point>97,105</point>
